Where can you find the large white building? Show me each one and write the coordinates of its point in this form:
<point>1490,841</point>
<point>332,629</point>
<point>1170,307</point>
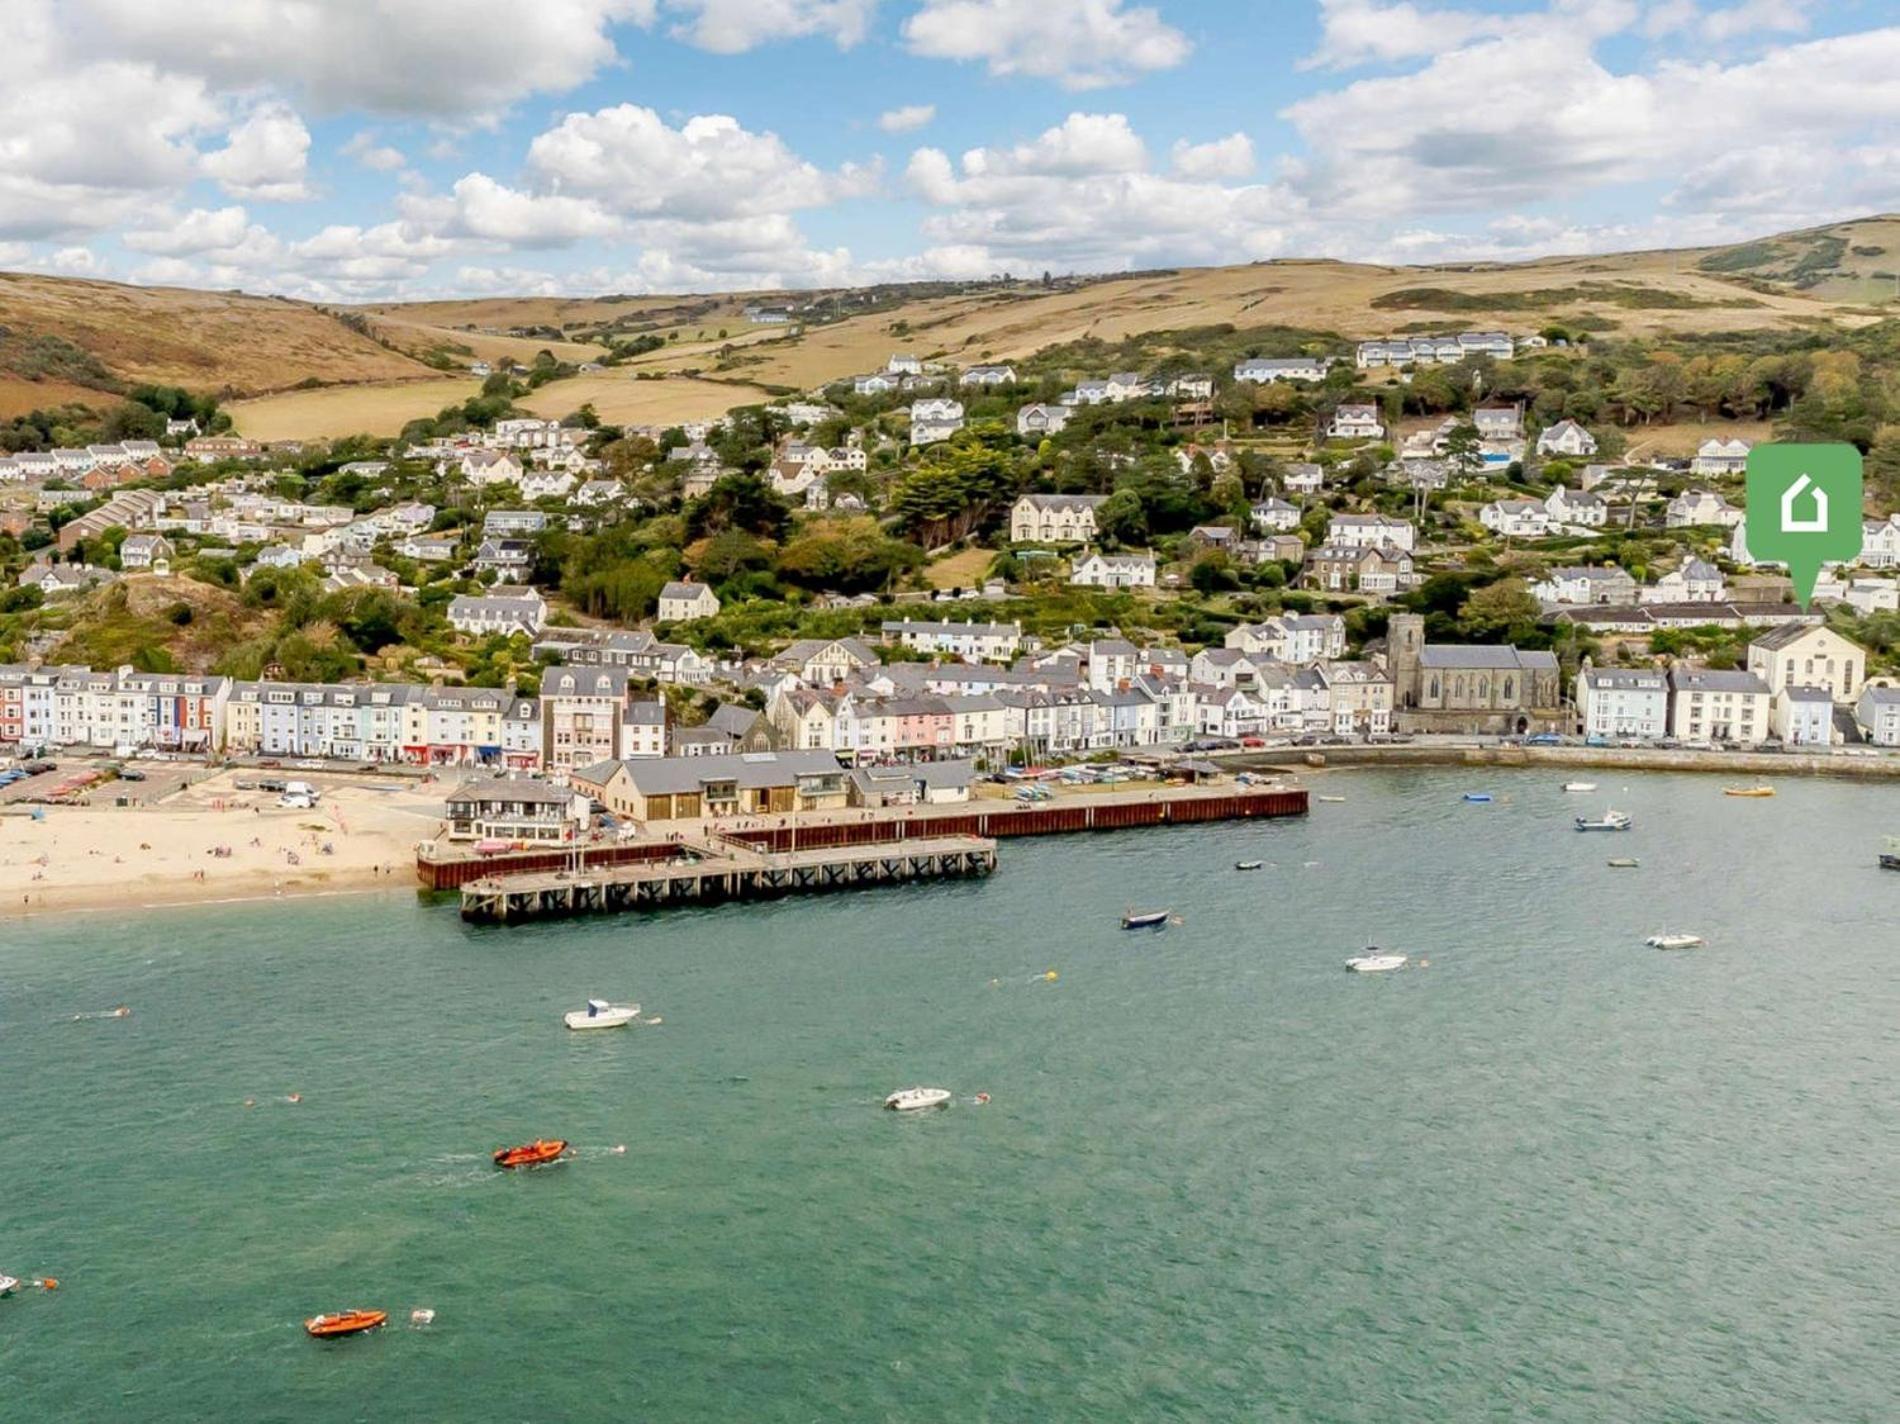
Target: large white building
<point>1718,705</point>
<point>1623,702</point>
<point>1054,518</point>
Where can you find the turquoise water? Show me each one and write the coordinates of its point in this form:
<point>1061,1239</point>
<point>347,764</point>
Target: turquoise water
<point>1555,1176</point>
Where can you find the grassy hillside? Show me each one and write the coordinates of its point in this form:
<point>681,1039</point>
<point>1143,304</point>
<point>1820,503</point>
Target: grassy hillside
<point>57,333</point>
<point>60,338</point>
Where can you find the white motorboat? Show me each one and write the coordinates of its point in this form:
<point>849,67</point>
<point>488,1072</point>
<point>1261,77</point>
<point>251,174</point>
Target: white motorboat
<point>1580,786</point>
<point>601,1014</point>
<point>1608,821</point>
<point>1376,961</point>
<point>912,1099</point>
<point>1675,941</point>
<point>8,1285</point>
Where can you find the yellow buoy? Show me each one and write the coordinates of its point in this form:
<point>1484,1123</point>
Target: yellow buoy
<point>1050,977</point>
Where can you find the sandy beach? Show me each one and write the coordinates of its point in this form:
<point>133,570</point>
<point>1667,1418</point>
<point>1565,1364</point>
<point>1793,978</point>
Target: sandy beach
<point>213,842</point>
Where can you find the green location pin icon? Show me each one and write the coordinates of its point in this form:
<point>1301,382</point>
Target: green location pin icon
<point>1804,509</point>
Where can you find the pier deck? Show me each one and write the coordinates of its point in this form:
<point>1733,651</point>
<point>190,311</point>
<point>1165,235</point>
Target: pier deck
<point>717,870</point>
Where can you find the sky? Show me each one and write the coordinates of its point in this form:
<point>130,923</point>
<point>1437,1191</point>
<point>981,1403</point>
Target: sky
<point>354,150</point>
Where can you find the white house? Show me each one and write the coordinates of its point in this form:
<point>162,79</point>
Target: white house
<point>1355,422</point>
<point>1622,702</point>
<point>1115,571</point>
<point>501,610</point>
<point>1304,477</point>
<point>988,376</point>
<point>973,642</point>
<point>146,551</point>
<point>1568,440</point>
<point>1880,542</point>
<point>681,601</point>
<point>1367,531</point>
<point>1718,705</point>
<point>1695,582</point>
<point>1275,516</point>
<point>1259,370</point>
<point>1804,716</point>
<point>876,384</point>
<point>1516,518</point>
<point>1878,715</point>
<point>1720,457</point>
<point>1054,518</point>
<point>1576,584</point>
<point>1498,422</point>
<point>484,468</point>
<point>934,420</point>
<point>1035,421</point>
<point>1577,507</point>
<point>1700,506</point>
<point>904,365</point>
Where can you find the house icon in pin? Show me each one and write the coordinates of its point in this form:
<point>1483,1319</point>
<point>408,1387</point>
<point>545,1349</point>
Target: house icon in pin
<point>1791,523</point>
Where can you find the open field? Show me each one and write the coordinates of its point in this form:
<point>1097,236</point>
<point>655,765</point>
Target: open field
<point>423,337</point>
<point>381,409</point>
<point>18,395</point>
<point>619,399</point>
<point>1680,441</point>
<point>963,569</point>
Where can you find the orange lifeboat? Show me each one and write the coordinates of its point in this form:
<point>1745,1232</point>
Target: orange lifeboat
<point>532,1155</point>
<point>344,1322</point>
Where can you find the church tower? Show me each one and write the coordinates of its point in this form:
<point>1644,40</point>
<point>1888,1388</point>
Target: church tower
<point>1404,642</point>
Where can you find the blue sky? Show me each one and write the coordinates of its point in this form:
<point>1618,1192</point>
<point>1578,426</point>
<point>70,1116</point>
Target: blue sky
<point>366,149</point>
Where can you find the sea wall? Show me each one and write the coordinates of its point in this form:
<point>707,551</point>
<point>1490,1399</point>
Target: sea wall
<point>1744,765</point>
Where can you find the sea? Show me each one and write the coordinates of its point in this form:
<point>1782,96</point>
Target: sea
<point>1542,1173</point>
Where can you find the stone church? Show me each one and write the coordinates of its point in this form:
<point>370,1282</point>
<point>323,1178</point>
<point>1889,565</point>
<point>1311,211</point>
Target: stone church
<point>1470,688</point>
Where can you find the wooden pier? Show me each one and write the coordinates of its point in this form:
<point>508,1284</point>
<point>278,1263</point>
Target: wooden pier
<point>719,870</point>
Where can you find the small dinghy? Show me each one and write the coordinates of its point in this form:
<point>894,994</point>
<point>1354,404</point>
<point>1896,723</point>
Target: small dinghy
<point>1752,792</point>
<point>601,1014</point>
<point>1376,961</point>
<point>1145,919</point>
<point>533,1154</point>
<point>344,1322</point>
<point>914,1099</point>
<point>1478,798</point>
<point>1334,799</point>
<point>1608,821</point>
<point>1675,941</point>
<point>1624,862</point>
<point>8,1285</point>
<point>1580,786</point>
<point>1248,864</point>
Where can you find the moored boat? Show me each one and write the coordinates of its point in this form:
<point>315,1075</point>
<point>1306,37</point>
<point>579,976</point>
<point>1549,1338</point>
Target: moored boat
<point>344,1322</point>
<point>1624,862</point>
<point>1330,798</point>
<point>8,1285</point>
<point>532,1154</point>
<point>1608,821</point>
<point>914,1099</point>
<point>1580,786</point>
<point>1750,791</point>
<point>1376,961</point>
<point>1145,919</point>
<point>1248,864</point>
<point>1675,941</point>
<point>1890,857</point>
<point>1478,798</point>
<point>601,1014</point>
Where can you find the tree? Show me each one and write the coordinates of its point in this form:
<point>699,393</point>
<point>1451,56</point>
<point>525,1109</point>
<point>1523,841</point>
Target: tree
<point>739,501</point>
<point>1504,611</point>
<point>1464,450</point>
<point>1122,519</point>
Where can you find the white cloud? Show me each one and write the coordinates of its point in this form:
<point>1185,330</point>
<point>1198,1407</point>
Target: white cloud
<point>907,119</point>
<point>734,26</point>
<point>1083,196</point>
<point>1752,16</point>
<point>364,148</point>
<point>482,208</point>
<point>199,231</point>
<point>1230,157</point>
<point>1556,123</point>
<point>629,159</point>
<point>444,59</point>
<point>1081,44</point>
<point>1359,32</point>
<point>265,156</point>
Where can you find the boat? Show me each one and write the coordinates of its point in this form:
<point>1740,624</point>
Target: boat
<point>1608,821</point>
<point>1478,798</point>
<point>8,1285</point>
<point>344,1322</point>
<point>1334,799</point>
<point>1145,919</point>
<point>1624,862</point>
<point>1752,791</point>
<point>534,1154</point>
<point>1580,786</point>
<point>1375,961</point>
<point>1248,864</point>
<point>1675,941</point>
<point>913,1099</point>
<point>601,1014</point>
<point>1890,857</point>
